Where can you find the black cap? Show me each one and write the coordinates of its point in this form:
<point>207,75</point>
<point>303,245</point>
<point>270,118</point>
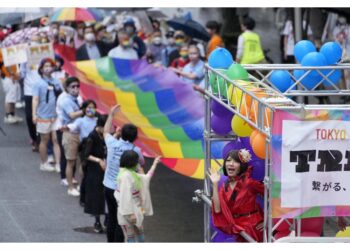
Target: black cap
<point>170,33</point>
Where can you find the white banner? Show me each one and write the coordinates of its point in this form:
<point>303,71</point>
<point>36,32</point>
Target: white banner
<point>315,163</point>
<point>37,52</point>
<point>15,54</point>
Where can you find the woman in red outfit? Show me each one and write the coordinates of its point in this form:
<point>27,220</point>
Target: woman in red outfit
<point>234,206</point>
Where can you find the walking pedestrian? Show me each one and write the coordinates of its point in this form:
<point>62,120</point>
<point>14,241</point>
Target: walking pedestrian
<point>45,94</point>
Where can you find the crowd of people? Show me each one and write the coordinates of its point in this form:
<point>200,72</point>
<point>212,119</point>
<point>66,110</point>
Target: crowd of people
<point>99,162</point>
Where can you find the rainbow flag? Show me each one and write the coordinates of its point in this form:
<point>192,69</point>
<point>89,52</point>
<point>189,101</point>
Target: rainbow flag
<point>167,111</point>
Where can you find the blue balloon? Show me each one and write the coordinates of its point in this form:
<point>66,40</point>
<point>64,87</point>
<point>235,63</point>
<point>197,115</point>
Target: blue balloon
<point>332,52</point>
<point>334,77</point>
<point>314,59</point>
<point>302,48</point>
<point>309,82</point>
<point>281,79</point>
<point>220,58</point>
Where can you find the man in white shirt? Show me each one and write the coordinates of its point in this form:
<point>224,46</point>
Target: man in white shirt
<point>124,50</point>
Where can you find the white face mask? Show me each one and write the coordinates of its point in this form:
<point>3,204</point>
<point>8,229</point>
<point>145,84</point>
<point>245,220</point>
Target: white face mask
<point>157,40</point>
<point>55,31</point>
<point>47,70</point>
<point>90,37</point>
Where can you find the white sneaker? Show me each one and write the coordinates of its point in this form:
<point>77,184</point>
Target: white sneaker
<point>74,181</point>
<point>50,159</point>
<point>10,119</point>
<point>46,167</point>
<point>64,182</point>
<point>73,192</point>
<point>58,168</point>
<point>18,119</point>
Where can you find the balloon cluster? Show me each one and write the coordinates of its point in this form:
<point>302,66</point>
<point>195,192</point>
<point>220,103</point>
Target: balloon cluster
<point>223,121</point>
<point>306,54</point>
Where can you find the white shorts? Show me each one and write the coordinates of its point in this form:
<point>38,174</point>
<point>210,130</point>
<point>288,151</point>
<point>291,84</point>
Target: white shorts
<point>46,126</point>
<point>12,91</point>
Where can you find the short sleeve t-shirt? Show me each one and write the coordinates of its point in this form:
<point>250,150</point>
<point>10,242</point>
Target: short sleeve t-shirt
<point>115,149</point>
<point>68,105</point>
<point>83,126</point>
<point>197,69</point>
<point>47,100</point>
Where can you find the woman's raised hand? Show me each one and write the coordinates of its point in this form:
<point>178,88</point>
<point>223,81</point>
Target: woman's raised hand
<point>214,175</point>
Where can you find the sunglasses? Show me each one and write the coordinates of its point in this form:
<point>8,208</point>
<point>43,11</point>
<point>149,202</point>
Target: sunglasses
<point>74,86</point>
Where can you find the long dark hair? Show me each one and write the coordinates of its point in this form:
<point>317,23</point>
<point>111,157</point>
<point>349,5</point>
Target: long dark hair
<point>233,154</point>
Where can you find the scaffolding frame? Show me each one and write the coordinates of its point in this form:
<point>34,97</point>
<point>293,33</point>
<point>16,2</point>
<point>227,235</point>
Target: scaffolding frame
<point>258,113</point>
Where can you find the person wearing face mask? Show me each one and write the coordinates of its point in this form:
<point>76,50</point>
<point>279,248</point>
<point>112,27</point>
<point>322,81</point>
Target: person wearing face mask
<point>156,46</point>
<point>193,72</point>
<point>93,157</point>
<point>136,42</point>
<point>179,63</point>
<point>124,50</point>
<point>79,35</point>
<point>180,40</point>
<point>170,47</point>
<point>84,125</point>
<point>45,93</point>
<point>59,73</point>
<point>92,49</point>
<point>70,111</point>
<point>54,30</point>
<point>30,76</point>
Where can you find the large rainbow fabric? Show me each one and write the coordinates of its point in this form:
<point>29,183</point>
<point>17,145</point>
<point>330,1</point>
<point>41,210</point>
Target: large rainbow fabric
<point>167,111</point>
<point>309,115</point>
<point>77,14</point>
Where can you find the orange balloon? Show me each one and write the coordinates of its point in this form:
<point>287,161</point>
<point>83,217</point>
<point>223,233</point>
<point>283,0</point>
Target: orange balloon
<point>259,145</point>
<point>252,136</point>
<point>254,114</point>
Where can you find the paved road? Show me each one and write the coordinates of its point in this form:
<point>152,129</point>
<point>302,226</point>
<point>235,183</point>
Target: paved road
<point>35,208</point>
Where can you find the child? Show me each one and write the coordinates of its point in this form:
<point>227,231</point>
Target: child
<point>12,91</point>
<point>133,197</point>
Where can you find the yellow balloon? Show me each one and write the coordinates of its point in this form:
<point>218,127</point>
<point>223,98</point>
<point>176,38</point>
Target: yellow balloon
<point>345,233</point>
<point>235,94</point>
<point>240,127</point>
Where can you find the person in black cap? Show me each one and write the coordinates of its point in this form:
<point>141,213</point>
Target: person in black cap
<point>138,44</point>
<point>170,47</point>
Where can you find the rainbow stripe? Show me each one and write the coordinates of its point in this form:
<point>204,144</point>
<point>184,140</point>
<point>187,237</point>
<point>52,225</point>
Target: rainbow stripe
<point>168,113</point>
<point>310,115</point>
<point>77,14</point>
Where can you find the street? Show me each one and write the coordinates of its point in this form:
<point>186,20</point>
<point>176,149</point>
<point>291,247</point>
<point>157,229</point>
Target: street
<point>34,207</point>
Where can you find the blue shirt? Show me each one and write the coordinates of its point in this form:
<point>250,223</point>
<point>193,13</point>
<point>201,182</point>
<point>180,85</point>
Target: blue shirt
<point>83,126</point>
<point>197,69</point>
<point>47,100</point>
<point>115,149</point>
<point>68,105</point>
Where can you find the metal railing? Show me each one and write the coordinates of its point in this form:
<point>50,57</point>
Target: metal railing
<point>255,101</point>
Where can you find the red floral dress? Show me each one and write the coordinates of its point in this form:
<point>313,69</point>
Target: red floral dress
<point>239,210</point>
